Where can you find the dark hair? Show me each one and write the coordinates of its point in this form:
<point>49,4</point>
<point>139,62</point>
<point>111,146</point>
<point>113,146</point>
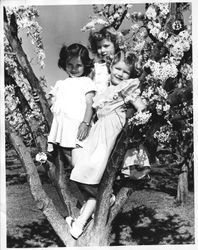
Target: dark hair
<point>108,33</point>
<point>130,59</point>
<point>75,50</point>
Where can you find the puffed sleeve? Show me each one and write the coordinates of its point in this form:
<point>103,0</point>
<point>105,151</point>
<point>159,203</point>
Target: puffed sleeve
<point>131,91</point>
<point>54,89</point>
<point>89,85</point>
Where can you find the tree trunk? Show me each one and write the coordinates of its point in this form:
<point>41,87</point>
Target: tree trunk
<point>182,188</point>
<point>41,198</point>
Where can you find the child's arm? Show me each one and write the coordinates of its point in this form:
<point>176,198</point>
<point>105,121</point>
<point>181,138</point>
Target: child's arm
<point>83,129</point>
<point>138,104</point>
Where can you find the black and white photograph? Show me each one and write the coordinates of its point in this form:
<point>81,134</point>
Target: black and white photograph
<point>112,163</point>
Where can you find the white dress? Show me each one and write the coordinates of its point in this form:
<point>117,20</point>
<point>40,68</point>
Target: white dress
<point>101,77</point>
<point>69,105</point>
<point>90,161</point>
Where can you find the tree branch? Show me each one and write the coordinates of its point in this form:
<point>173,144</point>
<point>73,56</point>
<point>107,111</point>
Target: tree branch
<point>24,105</point>
<point>114,163</point>
<point>65,188</point>
<point>32,123</point>
<point>121,199</point>
<point>42,200</point>
<point>11,35</point>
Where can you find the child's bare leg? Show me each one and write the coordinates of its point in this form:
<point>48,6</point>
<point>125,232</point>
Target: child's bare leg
<point>88,210</point>
<point>77,225</point>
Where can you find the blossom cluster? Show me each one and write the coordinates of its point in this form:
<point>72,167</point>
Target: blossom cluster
<point>157,10</point>
<point>156,98</point>
<point>186,71</point>
<point>11,101</point>
<point>151,13</point>
<point>137,41</point>
<point>164,9</point>
<point>154,14</point>
<point>26,20</point>
<point>140,118</point>
<point>163,135</point>
<point>17,123</point>
<point>94,23</point>
<point>41,157</point>
<point>188,129</point>
<point>162,70</point>
<point>108,15</point>
<point>13,115</point>
<point>13,70</point>
<point>177,45</point>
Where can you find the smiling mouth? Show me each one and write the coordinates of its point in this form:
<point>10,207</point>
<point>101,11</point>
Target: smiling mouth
<point>118,77</point>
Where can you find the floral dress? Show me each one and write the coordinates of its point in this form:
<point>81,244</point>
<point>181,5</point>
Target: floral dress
<point>90,161</point>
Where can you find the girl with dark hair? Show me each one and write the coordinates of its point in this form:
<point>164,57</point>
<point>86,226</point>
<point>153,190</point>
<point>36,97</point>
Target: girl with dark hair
<point>90,160</point>
<point>72,99</point>
<point>104,44</point>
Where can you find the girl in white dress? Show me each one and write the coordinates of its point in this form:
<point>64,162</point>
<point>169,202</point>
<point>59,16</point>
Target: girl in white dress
<point>72,99</point>
<point>104,44</point>
<point>90,161</point>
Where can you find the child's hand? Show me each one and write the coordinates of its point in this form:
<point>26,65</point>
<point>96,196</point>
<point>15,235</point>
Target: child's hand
<point>83,131</point>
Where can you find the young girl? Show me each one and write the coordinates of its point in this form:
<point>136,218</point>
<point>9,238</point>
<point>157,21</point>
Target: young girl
<point>72,99</point>
<point>90,161</point>
<point>103,44</point>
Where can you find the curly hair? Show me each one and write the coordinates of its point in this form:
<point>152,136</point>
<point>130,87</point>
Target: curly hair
<point>108,33</point>
<point>130,59</point>
<point>75,50</point>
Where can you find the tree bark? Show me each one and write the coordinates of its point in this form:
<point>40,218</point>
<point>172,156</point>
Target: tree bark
<point>65,187</point>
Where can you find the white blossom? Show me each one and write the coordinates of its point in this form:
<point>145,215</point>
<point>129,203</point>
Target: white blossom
<point>151,12</point>
<point>41,157</point>
<point>93,23</point>
<point>163,35</point>
<point>140,118</point>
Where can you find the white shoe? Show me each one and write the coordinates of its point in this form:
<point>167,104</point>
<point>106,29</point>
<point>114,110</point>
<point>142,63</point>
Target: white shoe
<point>75,231</point>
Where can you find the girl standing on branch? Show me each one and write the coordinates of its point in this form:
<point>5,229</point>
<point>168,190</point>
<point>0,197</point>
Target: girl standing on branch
<point>90,161</point>
<point>72,99</point>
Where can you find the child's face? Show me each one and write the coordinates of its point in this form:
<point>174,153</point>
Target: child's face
<point>119,72</point>
<point>105,48</point>
<point>75,67</point>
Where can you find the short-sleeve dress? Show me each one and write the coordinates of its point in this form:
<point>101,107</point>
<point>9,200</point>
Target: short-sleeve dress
<point>90,161</point>
<point>68,108</point>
